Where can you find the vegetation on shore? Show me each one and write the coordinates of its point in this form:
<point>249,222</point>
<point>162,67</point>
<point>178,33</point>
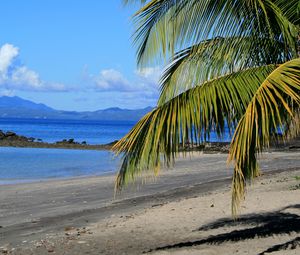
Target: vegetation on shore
<point>231,63</point>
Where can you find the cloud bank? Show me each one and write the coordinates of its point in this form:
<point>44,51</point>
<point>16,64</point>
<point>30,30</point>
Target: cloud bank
<point>143,87</point>
<point>112,80</point>
<point>19,77</point>
<point>110,86</point>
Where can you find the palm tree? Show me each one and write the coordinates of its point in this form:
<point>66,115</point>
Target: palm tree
<point>229,63</point>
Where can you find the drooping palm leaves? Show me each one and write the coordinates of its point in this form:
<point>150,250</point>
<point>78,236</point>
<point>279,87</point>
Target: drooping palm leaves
<point>167,25</point>
<point>187,118</point>
<point>216,57</point>
<point>272,107</point>
<point>227,66</point>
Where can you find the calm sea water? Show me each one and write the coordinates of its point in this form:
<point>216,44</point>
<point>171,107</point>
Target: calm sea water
<point>27,164</point>
<point>93,132</point>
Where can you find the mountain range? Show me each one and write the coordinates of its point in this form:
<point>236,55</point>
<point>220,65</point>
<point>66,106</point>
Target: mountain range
<point>16,107</point>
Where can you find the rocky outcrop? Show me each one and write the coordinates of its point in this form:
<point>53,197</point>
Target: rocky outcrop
<point>207,147</point>
<point>11,136</point>
<point>11,139</point>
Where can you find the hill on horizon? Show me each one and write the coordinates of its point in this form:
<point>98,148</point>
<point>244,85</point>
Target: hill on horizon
<point>17,107</point>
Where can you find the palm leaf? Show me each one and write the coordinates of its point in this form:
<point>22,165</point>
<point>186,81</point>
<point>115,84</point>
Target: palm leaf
<point>271,108</point>
<point>290,9</point>
<point>189,117</point>
<point>164,26</point>
<point>214,58</point>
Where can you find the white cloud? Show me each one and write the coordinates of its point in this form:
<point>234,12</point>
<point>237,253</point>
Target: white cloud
<point>150,73</point>
<point>24,76</point>
<point>112,85</point>
<point>20,77</point>
<point>112,80</point>
<point>7,55</point>
<point>145,81</point>
<point>140,90</point>
<point>8,52</point>
<point>148,78</point>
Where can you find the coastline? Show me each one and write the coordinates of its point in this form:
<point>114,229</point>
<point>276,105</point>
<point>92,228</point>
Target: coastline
<point>43,211</point>
<point>11,139</point>
<point>44,145</point>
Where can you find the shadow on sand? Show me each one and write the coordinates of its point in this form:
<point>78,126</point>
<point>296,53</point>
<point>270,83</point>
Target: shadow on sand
<point>254,226</point>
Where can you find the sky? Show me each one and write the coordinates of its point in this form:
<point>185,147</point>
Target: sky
<point>73,55</point>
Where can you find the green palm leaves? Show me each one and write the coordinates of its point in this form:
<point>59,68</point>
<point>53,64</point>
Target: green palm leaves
<point>232,63</point>
<point>187,118</point>
<point>164,26</point>
<point>272,107</point>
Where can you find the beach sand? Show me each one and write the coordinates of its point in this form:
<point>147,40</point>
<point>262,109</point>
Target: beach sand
<point>185,211</point>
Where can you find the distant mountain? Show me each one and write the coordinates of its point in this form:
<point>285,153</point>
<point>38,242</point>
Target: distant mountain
<point>16,107</point>
<point>17,102</point>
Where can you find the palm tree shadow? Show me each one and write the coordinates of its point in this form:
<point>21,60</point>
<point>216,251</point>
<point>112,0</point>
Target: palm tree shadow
<point>256,226</point>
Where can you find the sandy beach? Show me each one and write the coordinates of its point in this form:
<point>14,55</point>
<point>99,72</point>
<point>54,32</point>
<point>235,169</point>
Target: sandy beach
<point>185,211</point>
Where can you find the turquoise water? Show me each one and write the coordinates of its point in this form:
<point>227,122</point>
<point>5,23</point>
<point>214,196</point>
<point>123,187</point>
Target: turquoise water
<point>27,164</point>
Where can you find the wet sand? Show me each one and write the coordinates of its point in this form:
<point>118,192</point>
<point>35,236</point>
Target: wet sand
<point>80,216</point>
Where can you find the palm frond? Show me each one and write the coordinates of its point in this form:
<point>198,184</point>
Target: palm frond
<point>214,58</point>
<point>271,108</point>
<point>189,117</point>
<point>292,128</point>
<point>164,26</point>
<point>290,9</point>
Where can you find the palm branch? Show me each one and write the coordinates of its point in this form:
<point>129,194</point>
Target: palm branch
<point>166,26</point>
<point>187,118</point>
<point>214,58</point>
<point>273,106</point>
<point>230,63</point>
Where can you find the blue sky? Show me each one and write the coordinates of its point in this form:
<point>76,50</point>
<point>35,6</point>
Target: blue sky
<point>72,55</point>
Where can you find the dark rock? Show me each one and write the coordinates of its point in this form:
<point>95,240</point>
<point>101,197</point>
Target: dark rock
<point>217,147</point>
<point>112,143</point>
<point>31,139</point>
<point>22,138</point>
<point>10,133</point>
<point>65,141</point>
<point>2,134</point>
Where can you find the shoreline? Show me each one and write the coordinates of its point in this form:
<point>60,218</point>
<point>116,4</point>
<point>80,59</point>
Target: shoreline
<point>42,211</point>
<point>53,179</point>
<point>45,145</point>
<point>190,154</point>
<point>11,139</point>
<point>97,226</point>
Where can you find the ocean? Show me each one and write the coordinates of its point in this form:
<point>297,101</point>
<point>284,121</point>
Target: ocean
<point>31,164</point>
<point>93,132</point>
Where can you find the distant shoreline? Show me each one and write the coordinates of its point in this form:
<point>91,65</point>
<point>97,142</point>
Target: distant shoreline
<point>11,139</point>
<point>17,141</point>
<point>45,145</point>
